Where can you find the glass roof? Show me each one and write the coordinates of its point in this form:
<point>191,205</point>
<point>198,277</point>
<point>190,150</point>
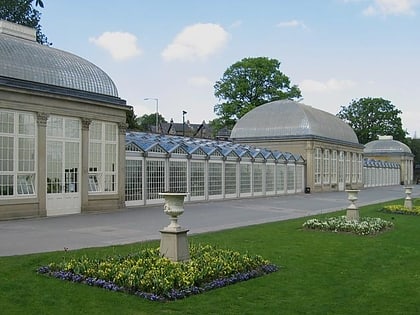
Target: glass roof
<point>386,145</point>
<point>288,119</point>
<point>27,60</point>
<point>145,142</point>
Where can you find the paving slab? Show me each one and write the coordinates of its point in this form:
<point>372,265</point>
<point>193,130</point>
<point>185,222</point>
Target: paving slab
<point>134,224</point>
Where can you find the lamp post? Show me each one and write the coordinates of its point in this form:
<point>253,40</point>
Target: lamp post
<point>157,111</point>
<point>183,122</point>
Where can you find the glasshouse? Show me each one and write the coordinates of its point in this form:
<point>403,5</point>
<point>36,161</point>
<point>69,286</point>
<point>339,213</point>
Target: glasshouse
<point>206,169</point>
<point>380,173</point>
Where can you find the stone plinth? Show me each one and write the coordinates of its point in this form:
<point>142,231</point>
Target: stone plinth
<point>352,210</point>
<point>408,202</point>
<point>174,241</point>
<point>174,245</point>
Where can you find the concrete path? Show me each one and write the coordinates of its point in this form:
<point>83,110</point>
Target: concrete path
<point>143,223</point>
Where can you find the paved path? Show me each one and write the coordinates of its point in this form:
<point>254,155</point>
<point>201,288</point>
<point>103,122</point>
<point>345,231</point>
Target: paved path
<point>143,223</point>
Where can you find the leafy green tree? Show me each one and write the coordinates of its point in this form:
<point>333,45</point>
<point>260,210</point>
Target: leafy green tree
<point>146,121</point>
<point>373,117</point>
<point>131,120</point>
<point>249,83</point>
<point>23,12</point>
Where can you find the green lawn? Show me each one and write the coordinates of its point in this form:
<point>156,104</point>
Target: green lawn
<point>320,273</point>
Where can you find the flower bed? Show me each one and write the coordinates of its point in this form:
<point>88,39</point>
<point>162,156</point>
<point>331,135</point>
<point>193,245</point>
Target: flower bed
<point>365,226</point>
<point>400,209</point>
<point>151,276</point>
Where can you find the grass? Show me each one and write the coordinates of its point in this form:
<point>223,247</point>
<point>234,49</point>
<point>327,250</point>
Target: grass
<point>320,273</point>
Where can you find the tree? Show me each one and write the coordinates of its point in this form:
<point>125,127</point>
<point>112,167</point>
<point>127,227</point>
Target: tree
<point>373,117</point>
<point>249,83</point>
<point>22,12</point>
<point>146,121</point>
<point>131,120</point>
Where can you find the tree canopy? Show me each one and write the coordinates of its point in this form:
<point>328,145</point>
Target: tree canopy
<point>23,12</point>
<point>373,117</point>
<point>249,83</point>
<point>145,122</point>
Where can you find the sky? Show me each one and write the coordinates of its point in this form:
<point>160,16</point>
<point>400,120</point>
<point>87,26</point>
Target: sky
<point>173,52</point>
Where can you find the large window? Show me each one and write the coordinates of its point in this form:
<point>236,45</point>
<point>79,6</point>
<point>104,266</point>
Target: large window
<point>17,154</point>
<point>269,178</point>
<point>63,155</point>
<point>326,169</point>
<point>355,168</point>
<point>334,167</point>
<point>317,171</point>
<point>215,178</point>
<point>280,178</point>
<point>245,178</point>
<point>258,177</point>
<point>197,179</point>
<point>155,170</point>
<point>348,168</point>
<point>178,176</point>
<point>230,178</point>
<point>133,180</point>
<point>103,152</point>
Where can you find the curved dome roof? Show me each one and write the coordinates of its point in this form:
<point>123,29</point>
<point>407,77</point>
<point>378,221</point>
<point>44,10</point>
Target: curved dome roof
<point>289,119</point>
<point>386,145</point>
<point>28,60</point>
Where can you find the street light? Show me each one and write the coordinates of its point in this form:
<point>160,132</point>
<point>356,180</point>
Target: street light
<point>183,122</point>
<point>157,110</point>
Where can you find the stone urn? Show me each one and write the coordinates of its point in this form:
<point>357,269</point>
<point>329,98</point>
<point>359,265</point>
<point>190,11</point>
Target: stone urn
<point>352,210</point>
<point>174,207</point>
<point>174,241</point>
<point>408,202</point>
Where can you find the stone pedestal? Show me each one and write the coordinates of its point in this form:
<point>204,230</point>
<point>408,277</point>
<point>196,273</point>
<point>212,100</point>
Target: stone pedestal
<point>174,245</point>
<point>408,202</point>
<point>352,210</point>
<point>174,241</point>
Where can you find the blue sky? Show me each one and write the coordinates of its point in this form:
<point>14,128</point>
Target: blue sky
<point>334,50</point>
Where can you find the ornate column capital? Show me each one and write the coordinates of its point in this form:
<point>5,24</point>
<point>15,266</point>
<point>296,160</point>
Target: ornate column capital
<point>122,127</point>
<point>41,119</point>
<point>86,123</point>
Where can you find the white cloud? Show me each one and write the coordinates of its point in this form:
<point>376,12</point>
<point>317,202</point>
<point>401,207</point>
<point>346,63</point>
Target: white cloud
<point>197,41</point>
<point>292,23</point>
<point>328,86</point>
<point>120,45</point>
<point>236,24</point>
<point>391,7</point>
<point>200,81</point>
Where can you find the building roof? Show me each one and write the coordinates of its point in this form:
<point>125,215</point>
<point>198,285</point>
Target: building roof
<point>386,145</point>
<point>22,58</point>
<point>288,119</point>
<point>147,142</point>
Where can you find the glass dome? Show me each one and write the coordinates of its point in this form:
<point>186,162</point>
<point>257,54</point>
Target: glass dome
<point>288,119</point>
<point>385,145</point>
<point>25,59</point>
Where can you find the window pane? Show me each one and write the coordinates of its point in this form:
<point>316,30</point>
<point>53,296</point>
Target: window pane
<point>55,127</point>
<point>25,184</point>
<point>6,154</point>
<point>72,128</point>
<point>258,172</point>
<point>95,130</point>
<point>110,132</point>
<point>178,176</point>
<point>6,122</point>
<point>26,124</point>
<point>197,179</point>
<point>6,185</point>
<point>26,155</point>
<point>230,178</point>
<point>215,179</point>
<point>133,180</point>
<point>155,179</point>
<point>245,178</point>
